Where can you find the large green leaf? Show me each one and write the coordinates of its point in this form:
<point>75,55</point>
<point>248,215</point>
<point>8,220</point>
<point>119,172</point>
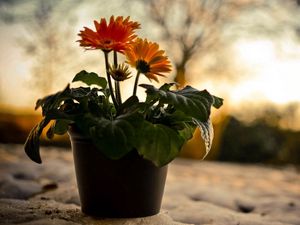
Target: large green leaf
<point>195,104</point>
<point>158,143</point>
<point>32,144</point>
<point>115,138</point>
<point>90,78</point>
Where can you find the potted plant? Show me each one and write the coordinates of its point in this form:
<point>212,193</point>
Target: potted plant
<point>121,148</point>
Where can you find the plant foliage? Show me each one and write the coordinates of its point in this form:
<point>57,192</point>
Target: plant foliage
<point>156,128</point>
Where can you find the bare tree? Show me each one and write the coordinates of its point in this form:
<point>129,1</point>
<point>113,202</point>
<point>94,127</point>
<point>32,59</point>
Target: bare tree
<point>195,27</point>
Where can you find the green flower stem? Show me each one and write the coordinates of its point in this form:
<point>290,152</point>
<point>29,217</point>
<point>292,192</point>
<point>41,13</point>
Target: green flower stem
<point>118,92</point>
<point>115,58</point>
<point>117,83</point>
<point>136,83</point>
<point>109,81</point>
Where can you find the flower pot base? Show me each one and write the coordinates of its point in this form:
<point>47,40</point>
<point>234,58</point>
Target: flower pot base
<point>124,188</point>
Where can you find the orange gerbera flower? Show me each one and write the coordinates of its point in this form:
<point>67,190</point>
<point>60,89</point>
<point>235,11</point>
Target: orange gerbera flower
<point>146,57</point>
<point>113,36</point>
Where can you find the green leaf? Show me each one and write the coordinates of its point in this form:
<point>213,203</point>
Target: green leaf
<point>218,102</point>
<point>32,144</point>
<point>129,105</point>
<point>50,132</point>
<point>195,104</point>
<point>82,92</point>
<point>187,132</point>
<point>70,101</point>
<point>207,133</point>
<point>158,143</point>
<point>166,86</point>
<point>90,78</point>
<point>53,101</point>
<point>114,138</point>
<point>61,127</point>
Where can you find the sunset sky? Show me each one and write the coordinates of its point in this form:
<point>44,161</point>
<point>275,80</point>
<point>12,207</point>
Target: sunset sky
<point>269,68</point>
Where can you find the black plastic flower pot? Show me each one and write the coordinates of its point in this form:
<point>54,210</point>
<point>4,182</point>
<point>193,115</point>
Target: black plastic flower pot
<point>128,187</point>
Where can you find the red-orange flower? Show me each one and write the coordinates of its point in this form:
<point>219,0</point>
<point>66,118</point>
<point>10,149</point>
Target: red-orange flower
<point>146,57</point>
<point>113,36</point>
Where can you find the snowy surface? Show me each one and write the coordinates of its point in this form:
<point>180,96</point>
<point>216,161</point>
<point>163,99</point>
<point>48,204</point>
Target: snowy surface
<point>197,192</point>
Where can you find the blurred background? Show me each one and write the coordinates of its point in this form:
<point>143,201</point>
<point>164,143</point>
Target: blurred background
<point>246,51</point>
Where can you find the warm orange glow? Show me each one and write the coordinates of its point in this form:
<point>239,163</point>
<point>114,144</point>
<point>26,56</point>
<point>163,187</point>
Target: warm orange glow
<point>113,36</point>
<point>146,57</point>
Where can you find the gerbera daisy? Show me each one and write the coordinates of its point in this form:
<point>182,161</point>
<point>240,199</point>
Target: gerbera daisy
<point>146,57</point>
<point>113,36</point>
